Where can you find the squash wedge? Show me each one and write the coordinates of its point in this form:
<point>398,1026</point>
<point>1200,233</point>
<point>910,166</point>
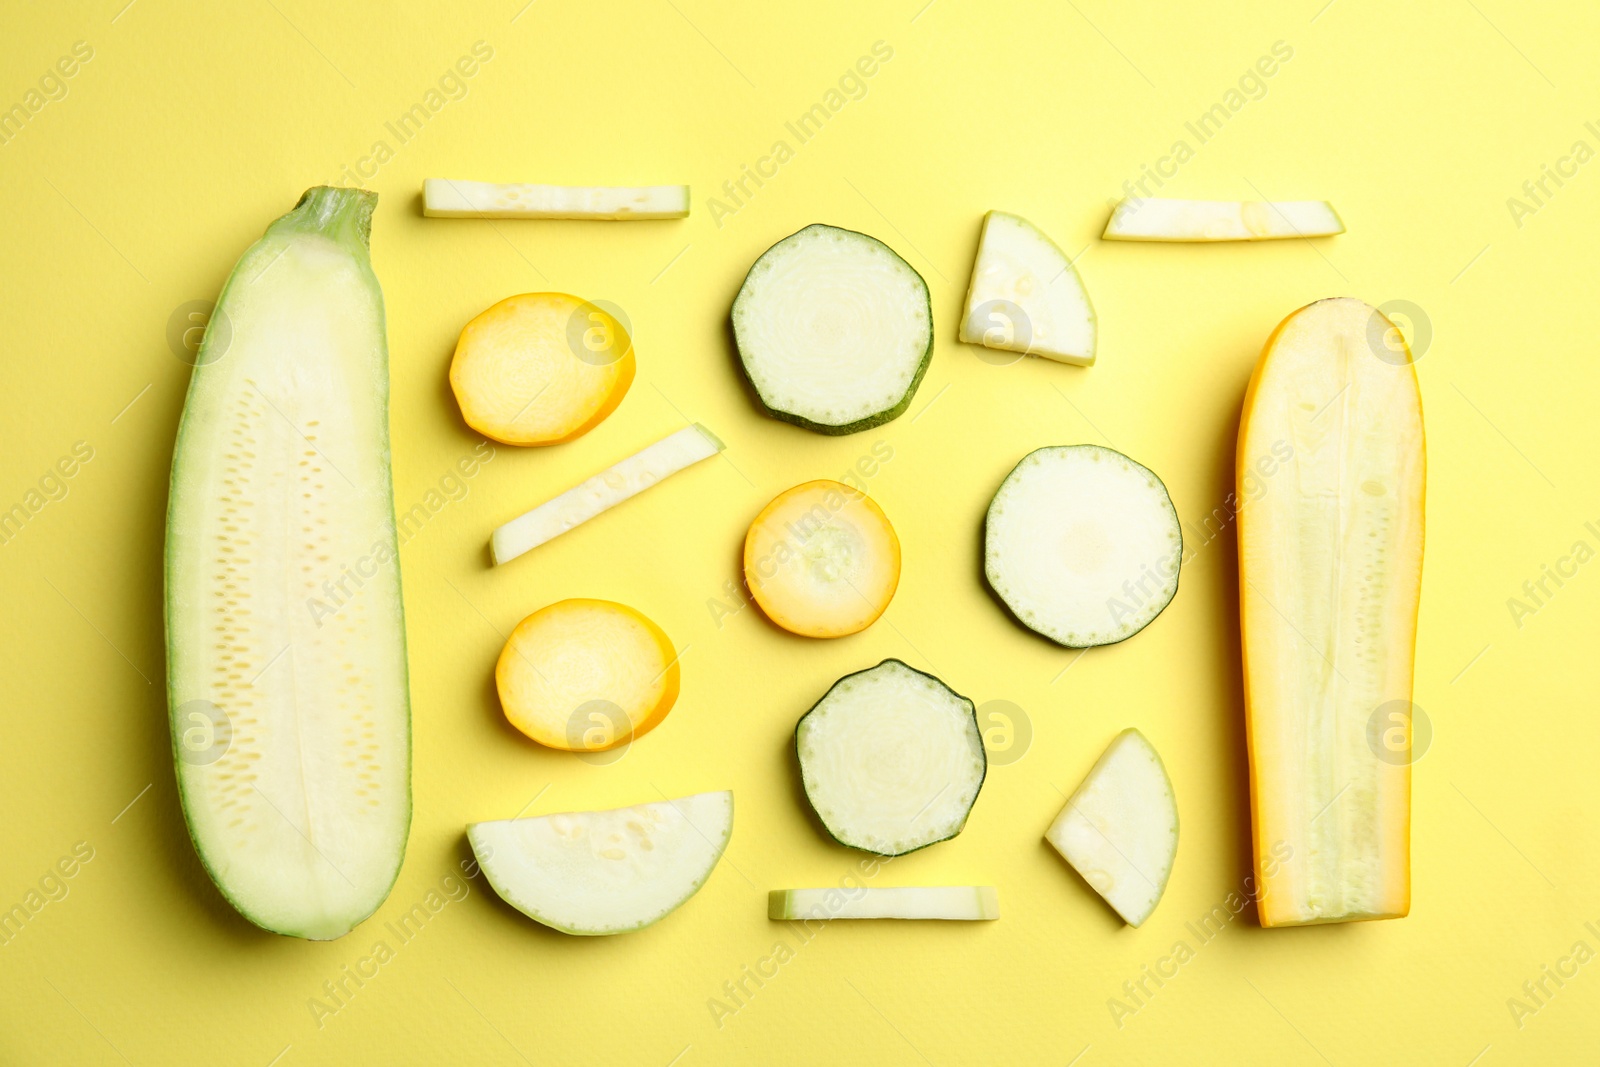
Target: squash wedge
<point>1330,483</point>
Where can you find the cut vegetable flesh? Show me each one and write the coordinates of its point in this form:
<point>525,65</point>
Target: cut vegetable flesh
<point>1026,296</point>
<point>1119,830</point>
<point>587,675</point>
<point>447,198</point>
<point>891,759</point>
<point>1083,545</point>
<point>605,872</point>
<point>834,330</point>
<point>1330,568</point>
<point>541,368</point>
<point>1156,219</point>
<point>971,903</point>
<point>286,678</point>
<point>606,490</point>
<point>822,560</point>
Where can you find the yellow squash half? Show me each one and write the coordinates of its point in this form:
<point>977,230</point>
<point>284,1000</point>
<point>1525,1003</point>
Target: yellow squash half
<point>1330,484</point>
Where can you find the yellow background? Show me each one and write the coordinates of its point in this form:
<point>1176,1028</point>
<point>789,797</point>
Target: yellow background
<point>194,125</point>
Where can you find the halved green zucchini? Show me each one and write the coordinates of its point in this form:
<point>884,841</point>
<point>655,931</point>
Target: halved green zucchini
<point>286,655</point>
<point>834,330</point>
<point>1083,545</point>
<point>892,759</point>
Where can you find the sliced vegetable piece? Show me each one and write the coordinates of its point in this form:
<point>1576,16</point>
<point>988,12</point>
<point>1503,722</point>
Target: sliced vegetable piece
<point>605,872</point>
<point>624,479</point>
<point>291,721</point>
<point>446,198</point>
<point>1157,219</point>
<point>1026,296</point>
<point>587,675</point>
<point>1083,545</point>
<point>971,903</point>
<point>541,368</point>
<point>822,560</point>
<point>1330,571</point>
<point>834,330</point>
<point>891,759</point>
<point>1119,830</point>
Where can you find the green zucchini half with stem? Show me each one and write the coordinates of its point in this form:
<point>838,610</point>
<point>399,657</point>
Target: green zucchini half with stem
<point>834,330</point>
<point>286,659</point>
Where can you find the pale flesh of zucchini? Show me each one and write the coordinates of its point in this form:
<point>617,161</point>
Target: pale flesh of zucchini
<point>297,793</point>
<point>1330,570</point>
<point>446,198</point>
<point>1119,829</point>
<point>1157,219</point>
<point>1026,296</point>
<point>891,759</point>
<point>605,872</point>
<point>1083,545</point>
<point>624,479</point>
<point>834,330</point>
<point>970,903</point>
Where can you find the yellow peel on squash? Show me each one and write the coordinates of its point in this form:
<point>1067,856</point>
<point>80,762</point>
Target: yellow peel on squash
<point>541,368</point>
<point>1331,470</point>
<point>822,560</point>
<point>587,675</point>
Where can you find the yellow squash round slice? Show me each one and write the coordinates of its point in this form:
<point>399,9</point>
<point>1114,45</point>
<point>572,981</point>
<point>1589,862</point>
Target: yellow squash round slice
<point>587,675</point>
<point>541,368</point>
<point>822,560</point>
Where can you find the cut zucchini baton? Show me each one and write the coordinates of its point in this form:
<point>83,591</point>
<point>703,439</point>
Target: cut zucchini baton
<point>891,759</point>
<point>1330,571</point>
<point>286,653</point>
<point>957,903</point>
<point>834,330</point>
<point>445,198</point>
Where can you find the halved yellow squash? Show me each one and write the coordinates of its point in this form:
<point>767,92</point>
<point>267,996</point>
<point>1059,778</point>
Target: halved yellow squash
<point>541,369</point>
<point>587,675</point>
<point>1330,484</point>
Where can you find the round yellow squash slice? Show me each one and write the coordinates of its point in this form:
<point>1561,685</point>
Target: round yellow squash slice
<point>541,368</point>
<point>587,675</point>
<point>822,560</point>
